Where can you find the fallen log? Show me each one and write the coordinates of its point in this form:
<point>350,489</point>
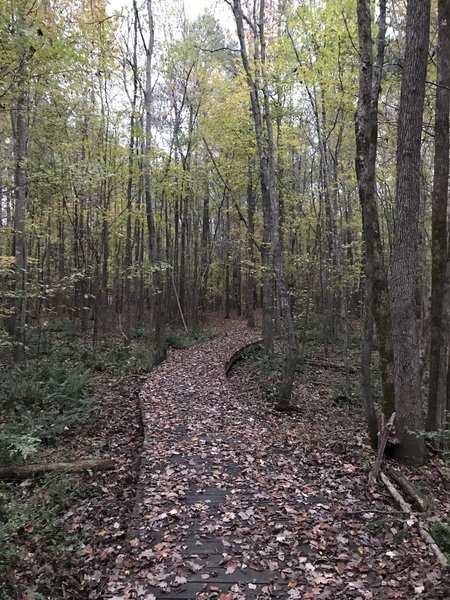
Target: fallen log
<point>424,533</point>
<point>26,471</point>
<point>405,506</point>
<point>409,489</point>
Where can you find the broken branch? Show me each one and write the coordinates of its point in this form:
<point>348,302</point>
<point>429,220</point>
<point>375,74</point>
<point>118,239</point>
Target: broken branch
<point>26,471</point>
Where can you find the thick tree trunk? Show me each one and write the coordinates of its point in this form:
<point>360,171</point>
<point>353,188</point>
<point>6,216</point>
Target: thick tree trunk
<point>404,258</point>
<point>438,337</point>
<point>132,144</point>
<point>204,253</point>
<point>288,375</point>
<point>227,257</point>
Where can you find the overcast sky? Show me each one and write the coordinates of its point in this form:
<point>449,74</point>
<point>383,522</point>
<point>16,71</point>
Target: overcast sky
<point>193,8</point>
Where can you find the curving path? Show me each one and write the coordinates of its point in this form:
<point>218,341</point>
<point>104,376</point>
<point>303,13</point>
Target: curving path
<point>228,508</point>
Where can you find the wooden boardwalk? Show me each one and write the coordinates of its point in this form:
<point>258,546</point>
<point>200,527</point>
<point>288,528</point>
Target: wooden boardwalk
<point>195,504</point>
<point>229,508</point>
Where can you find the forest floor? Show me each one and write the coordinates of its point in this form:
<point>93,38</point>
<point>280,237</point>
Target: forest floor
<point>218,496</point>
<point>237,501</point>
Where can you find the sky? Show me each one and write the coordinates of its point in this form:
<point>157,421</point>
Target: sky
<point>193,8</point>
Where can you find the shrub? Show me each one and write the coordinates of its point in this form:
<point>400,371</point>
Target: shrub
<point>41,401</point>
<point>136,358</point>
<point>441,533</point>
<point>270,363</point>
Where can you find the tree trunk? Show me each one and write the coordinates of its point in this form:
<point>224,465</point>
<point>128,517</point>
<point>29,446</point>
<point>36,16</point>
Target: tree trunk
<point>227,258</point>
<point>158,321</point>
<point>404,258</point>
<point>438,365</point>
<point>132,144</point>
<point>254,86</point>
<point>366,128</point>
<point>20,129</point>
<point>288,375</point>
<point>250,280</point>
<point>266,153</point>
<point>204,253</point>
<point>366,359</point>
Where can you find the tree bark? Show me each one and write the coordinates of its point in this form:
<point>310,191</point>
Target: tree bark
<point>404,258</point>
<point>227,251</point>
<point>100,464</point>
<point>254,86</point>
<point>438,337</point>
<point>366,129</point>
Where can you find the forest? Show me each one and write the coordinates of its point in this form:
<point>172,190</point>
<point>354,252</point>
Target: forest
<point>255,187</point>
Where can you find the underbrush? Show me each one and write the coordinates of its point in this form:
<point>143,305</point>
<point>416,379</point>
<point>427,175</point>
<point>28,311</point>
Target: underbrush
<point>441,533</point>
<point>124,360</point>
<point>41,401</point>
<point>61,343</point>
<point>50,408</point>
<point>179,340</point>
<point>269,363</point>
<point>342,387</point>
<point>32,536</point>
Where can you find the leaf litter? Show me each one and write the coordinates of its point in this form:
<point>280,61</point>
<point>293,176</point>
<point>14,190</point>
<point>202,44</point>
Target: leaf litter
<point>237,501</point>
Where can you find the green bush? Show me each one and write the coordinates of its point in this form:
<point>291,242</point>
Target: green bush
<point>5,340</point>
<point>41,384</point>
<point>441,533</point>
<point>270,363</point>
<point>141,334</point>
<point>41,401</point>
<point>345,392</point>
<point>136,358</point>
<point>17,446</point>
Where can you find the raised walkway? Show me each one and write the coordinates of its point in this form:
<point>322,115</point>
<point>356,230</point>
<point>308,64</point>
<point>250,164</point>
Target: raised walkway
<point>229,508</point>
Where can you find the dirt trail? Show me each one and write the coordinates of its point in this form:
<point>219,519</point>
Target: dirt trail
<point>233,505</point>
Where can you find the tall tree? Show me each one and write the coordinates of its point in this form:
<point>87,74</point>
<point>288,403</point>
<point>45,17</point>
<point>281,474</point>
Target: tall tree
<point>404,258</point>
<point>20,127</point>
<point>21,26</point>
<point>376,291</point>
<point>155,244</point>
<point>439,251</point>
<point>264,133</point>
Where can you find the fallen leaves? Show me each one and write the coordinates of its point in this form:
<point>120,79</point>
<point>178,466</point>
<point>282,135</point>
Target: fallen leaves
<point>243,503</point>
